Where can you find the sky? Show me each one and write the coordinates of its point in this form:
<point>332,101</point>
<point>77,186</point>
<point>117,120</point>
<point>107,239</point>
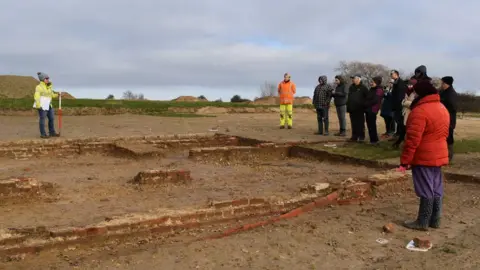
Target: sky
<point>220,48</point>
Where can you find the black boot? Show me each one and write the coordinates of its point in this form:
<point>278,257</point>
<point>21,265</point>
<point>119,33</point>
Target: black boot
<point>424,215</point>
<point>436,213</point>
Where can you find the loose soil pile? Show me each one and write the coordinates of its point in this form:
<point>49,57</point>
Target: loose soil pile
<point>189,99</point>
<point>12,86</point>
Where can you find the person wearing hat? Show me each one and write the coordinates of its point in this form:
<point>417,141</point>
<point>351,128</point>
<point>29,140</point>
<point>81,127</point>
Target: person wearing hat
<point>44,89</point>
<point>357,94</point>
<point>372,104</point>
<point>448,97</point>
<point>425,151</point>
<point>421,74</point>
<point>399,89</point>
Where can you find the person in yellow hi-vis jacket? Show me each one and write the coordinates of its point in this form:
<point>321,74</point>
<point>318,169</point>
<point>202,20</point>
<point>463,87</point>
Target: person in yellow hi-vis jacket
<point>286,91</point>
<point>43,103</point>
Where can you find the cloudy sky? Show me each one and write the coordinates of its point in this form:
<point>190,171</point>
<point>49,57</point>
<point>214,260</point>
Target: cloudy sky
<point>219,48</point>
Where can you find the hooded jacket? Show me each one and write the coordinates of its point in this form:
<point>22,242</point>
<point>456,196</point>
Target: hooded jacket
<point>340,93</point>
<point>322,95</point>
<point>427,132</point>
<point>43,90</point>
<point>422,71</point>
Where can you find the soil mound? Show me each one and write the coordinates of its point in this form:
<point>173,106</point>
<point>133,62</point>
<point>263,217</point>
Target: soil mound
<point>66,95</point>
<point>189,99</point>
<point>13,86</point>
<point>302,101</point>
<point>267,101</point>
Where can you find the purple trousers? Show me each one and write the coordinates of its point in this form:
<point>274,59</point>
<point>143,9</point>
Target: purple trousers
<point>428,181</point>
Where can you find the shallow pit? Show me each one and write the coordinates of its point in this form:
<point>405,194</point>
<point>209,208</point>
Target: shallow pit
<point>94,187</point>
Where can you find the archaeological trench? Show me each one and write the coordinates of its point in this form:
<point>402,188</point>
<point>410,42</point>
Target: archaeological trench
<point>61,193</point>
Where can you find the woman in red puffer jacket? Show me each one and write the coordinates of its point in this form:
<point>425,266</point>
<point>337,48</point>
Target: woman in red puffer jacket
<point>425,150</point>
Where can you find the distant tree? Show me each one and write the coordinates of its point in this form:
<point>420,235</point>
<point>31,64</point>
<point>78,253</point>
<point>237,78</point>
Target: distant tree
<point>468,102</point>
<point>132,96</point>
<point>237,98</point>
<point>367,70</point>
<point>268,89</point>
<point>202,97</point>
<point>110,96</point>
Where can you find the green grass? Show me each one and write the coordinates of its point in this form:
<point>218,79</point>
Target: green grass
<point>148,107</point>
<point>472,115</point>
<point>384,150</point>
<point>20,104</point>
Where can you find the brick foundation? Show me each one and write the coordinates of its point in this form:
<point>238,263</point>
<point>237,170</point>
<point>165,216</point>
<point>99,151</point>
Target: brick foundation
<point>32,240</point>
<point>24,186</point>
<point>65,147</point>
<point>239,154</point>
<point>158,177</point>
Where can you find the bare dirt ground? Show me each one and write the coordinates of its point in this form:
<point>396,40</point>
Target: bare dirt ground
<point>260,126</point>
<point>94,187</point>
<point>332,238</point>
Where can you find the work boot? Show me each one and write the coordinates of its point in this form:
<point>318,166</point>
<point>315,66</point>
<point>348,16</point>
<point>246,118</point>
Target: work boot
<point>320,128</point>
<point>290,127</point>
<point>44,136</point>
<point>282,127</point>
<point>340,134</point>
<point>436,213</point>
<point>54,134</point>
<point>424,215</point>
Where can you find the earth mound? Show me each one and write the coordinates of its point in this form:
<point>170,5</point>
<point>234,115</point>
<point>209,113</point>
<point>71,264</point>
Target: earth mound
<point>13,86</point>
<point>189,99</point>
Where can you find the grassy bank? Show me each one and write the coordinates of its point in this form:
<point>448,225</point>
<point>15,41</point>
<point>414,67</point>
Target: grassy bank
<point>20,104</point>
<point>159,108</point>
<point>384,150</point>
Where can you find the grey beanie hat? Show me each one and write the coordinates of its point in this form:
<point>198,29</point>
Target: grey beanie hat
<point>42,76</point>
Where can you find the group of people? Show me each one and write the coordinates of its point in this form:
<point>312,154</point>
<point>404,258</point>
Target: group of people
<point>415,113</point>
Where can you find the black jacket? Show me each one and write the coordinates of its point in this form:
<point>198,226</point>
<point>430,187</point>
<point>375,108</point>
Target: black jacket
<point>340,95</point>
<point>398,94</point>
<point>449,100</point>
<point>357,95</point>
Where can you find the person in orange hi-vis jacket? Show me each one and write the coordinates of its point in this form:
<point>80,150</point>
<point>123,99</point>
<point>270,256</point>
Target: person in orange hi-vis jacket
<point>286,91</point>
